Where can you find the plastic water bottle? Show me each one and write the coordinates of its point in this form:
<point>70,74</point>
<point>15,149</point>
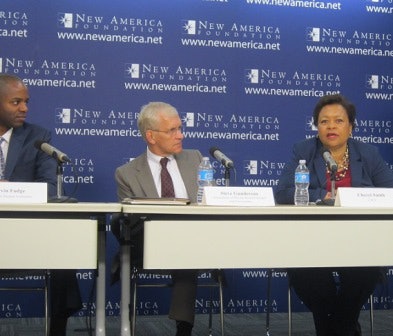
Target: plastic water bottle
<point>205,177</point>
<point>302,181</point>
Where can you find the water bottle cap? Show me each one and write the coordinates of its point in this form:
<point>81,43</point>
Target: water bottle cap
<point>302,161</point>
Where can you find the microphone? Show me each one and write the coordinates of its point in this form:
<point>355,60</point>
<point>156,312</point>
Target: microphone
<point>52,151</point>
<point>332,165</point>
<point>220,156</point>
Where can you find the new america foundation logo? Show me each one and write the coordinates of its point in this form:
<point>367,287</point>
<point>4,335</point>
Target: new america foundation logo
<point>383,82</point>
<point>48,68</point>
<point>278,78</point>
<point>118,24</point>
<point>234,122</point>
<point>90,116</point>
<point>262,167</point>
<point>234,30</point>
<point>355,38</point>
<point>148,72</point>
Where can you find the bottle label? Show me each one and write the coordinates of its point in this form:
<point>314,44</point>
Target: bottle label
<point>206,175</point>
<point>302,178</point>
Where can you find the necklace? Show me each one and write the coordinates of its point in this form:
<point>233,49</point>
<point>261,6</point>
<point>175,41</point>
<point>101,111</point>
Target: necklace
<point>343,166</point>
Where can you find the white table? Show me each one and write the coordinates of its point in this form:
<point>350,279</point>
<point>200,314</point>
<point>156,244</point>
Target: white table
<point>57,236</point>
<point>208,237</point>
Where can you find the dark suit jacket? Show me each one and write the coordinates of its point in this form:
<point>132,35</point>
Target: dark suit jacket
<point>368,169</point>
<point>25,163</point>
<point>135,178</point>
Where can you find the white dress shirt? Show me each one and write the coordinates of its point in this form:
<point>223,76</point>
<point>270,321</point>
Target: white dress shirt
<point>4,146</point>
<point>155,167</point>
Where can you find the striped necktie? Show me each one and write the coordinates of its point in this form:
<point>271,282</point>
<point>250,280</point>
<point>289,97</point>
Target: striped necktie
<point>2,160</point>
<point>167,189</point>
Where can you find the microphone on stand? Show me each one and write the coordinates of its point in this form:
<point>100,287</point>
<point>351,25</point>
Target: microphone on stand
<point>221,157</point>
<point>327,156</point>
<point>51,151</point>
<point>60,157</point>
<point>225,161</point>
<point>332,166</point>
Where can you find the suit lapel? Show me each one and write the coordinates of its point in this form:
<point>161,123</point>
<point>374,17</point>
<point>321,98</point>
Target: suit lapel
<point>145,178</point>
<point>320,169</point>
<point>15,147</point>
<point>355,166</point>
<point>186,174</point>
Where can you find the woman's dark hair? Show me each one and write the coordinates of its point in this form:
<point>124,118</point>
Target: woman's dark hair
<point>335,99</point>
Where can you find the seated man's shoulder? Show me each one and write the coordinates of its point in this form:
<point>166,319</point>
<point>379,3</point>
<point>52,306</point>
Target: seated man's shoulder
<point>32,128</point>
<point>132,163</point>
<point>191,152</point>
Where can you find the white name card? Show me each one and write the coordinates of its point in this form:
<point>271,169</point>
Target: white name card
<point>364,197</point>
<point>238,196</point>
<point>23,192</point>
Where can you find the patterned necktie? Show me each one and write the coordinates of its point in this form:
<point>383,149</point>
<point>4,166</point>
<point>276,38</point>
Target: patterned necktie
<point>2,160</point>
<point>166,180</point>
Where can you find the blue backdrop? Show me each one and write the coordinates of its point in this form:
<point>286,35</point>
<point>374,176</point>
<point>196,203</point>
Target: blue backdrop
<point>244,75</point>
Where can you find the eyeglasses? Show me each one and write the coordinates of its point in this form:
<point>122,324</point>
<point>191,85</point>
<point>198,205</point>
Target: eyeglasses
<point>173,131</point>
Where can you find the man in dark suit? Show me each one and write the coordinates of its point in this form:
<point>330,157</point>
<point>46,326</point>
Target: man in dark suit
<point>22,162</point>
<point>161,128</point>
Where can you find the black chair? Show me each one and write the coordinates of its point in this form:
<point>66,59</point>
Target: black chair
<point>44,287</point>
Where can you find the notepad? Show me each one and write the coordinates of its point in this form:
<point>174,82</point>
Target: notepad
<point>156,201</point>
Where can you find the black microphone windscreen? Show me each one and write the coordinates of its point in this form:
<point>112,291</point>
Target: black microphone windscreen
<point>38,144</point>
<point>324,150</point>
<point>212,150</point>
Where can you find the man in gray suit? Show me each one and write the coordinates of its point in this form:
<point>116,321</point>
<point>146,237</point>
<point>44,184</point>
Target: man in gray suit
<point>161,128</point>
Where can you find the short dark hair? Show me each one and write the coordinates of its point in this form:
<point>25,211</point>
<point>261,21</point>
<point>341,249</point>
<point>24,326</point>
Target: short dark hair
<point>5,79</point>
<point>335,99</point>
<point>11,78</point>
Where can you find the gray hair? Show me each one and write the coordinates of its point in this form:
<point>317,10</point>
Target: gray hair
<point>149,116</point>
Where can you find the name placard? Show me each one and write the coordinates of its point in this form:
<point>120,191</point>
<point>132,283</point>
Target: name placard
<point>238,196</point>
<point>23,192</point>
<point>364,197</point>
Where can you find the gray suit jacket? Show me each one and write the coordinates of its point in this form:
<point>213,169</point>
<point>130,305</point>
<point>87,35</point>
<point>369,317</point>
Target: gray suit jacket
<point>135,178</point>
